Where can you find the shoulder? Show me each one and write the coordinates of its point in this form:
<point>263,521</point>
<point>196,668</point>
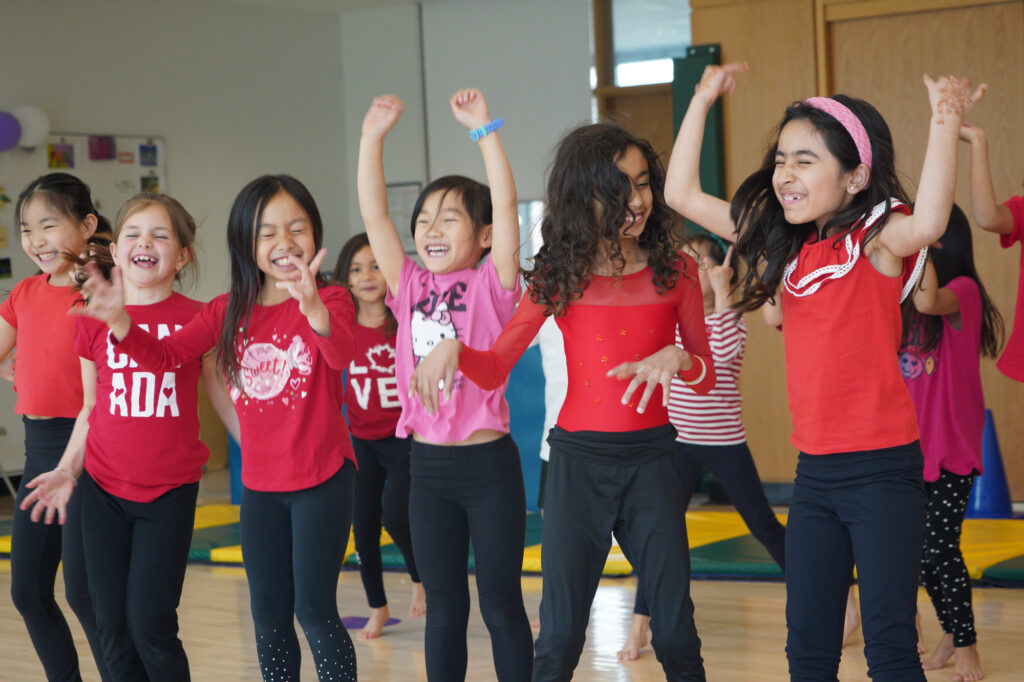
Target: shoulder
<point>966,289</point>
<point>335,294</point>
<point>182,302</point>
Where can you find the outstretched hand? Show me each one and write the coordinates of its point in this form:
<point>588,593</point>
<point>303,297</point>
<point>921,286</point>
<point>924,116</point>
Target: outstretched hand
<point>104,299</point>
<point>719,80</point>
<point>470,108</point>
<point>436,372</point>
<point>951,96</point>
<point>720,276</point>
<point>302,286</point>
<point>383,115</point>
<point>49,497</point>
<point>652,371</point>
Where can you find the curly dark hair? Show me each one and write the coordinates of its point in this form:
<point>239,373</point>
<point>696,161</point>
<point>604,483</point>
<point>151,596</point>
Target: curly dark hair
<point>587,203</point>
<point>766,242</point>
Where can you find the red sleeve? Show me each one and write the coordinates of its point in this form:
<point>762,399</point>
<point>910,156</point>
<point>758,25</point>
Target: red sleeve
<point>690,317</point>
<point>1016,206</point>
<point>188,343</point>
<point>489,369</point>
<point>8,307</point>
<point>338,348</point>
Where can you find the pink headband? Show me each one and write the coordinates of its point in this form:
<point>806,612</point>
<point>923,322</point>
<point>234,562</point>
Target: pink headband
<point>848,120</point>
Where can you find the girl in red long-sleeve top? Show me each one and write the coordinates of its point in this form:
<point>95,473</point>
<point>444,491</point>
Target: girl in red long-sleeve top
<point>618,289</point>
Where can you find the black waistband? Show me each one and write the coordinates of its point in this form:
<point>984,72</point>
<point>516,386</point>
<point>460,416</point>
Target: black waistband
<point>615,447</point>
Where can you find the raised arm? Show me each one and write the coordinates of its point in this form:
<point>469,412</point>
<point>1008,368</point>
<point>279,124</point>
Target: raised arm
<point>990,215</point>
<point>51,490</point>
<point>929,299</point>
<point>470,109</point>
<point>682,179</point>
<point>373,197</point>
<point>951,100</point>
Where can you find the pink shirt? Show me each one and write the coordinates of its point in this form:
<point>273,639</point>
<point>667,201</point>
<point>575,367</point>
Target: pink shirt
<point>945,385</point>
<point>468,305</point>
<point>1011,363</point>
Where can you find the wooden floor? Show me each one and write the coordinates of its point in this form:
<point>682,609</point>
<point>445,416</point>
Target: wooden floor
<point>742,625</point>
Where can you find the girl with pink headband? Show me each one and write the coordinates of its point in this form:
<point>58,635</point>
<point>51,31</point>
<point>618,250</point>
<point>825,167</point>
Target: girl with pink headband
<point>825,225</point>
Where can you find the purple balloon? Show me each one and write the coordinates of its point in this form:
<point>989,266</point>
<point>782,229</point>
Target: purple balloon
<point>10,131</point>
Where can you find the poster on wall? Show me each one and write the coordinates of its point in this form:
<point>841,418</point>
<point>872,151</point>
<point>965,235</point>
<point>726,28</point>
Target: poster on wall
<point>401,202</point>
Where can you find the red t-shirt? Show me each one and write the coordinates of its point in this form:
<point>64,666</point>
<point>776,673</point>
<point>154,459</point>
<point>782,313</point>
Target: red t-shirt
<point>842,340</point>
<point>617,320</point>
<point>1011,362</point>
<point>144,429</point>
<point>293,432</point>
<point>47,375</point>
<point>371,389</point>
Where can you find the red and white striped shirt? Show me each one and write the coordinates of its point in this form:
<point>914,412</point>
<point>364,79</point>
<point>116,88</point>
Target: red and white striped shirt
<point>714,418</point>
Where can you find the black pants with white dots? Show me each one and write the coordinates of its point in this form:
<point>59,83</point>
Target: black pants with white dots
<point>943,572</point>
<point>293,544</point>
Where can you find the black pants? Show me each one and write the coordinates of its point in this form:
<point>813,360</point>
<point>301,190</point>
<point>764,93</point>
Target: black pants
<point>463,493</point>
<point>622,483</point>
<point>293,544</point>
<point>865,508</point>
<point>943,571</point>
<point>734,468</point>
<point>136,553</point>
<point>37,549</point>
<point>382,495</point>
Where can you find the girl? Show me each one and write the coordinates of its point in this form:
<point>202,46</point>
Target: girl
<point>467,482</point>
<point>710,429</point>
<point>948,325</point>
<point>282,339</point>
<point>610,276</point>
<point>827,194</point>
<point>138,453</point>
<point>57,218</point>
<point>371,404</point>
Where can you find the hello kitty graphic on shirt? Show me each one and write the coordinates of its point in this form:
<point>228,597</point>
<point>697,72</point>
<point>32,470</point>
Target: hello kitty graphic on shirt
<point>267,370</point>
<point>430,330</point>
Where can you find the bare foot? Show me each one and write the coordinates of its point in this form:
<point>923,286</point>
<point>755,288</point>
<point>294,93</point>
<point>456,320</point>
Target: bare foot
<point>968,664</point>
<point>852,622</point>
<point>375,623</point>
<point>535,623</point>
<point>418,608</point>
<point>942,652</point>
<point>638,638</point>
<point>920,634</point>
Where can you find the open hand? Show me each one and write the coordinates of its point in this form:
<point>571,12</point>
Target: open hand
<point>470,108</point>
<point>104,299</point>
<point>951,96</point>
<point>719,80</point>
<point>436,372</point>
<point>49,497</point>
<point>383,115</point>
<point>652,371</point>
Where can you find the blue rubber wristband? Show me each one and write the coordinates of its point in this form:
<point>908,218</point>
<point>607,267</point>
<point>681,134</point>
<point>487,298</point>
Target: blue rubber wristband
<point>486,129</point>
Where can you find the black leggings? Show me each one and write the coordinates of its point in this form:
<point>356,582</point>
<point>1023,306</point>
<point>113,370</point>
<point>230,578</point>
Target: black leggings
<point>136,553</point>
<point>37,548</point>
<point>943,571</point>
<point>293,544</point>
<point>733,467</point>
<point>624,484</point>
<point>866,507</point>
<point>382,495</point>
<point>461,493</point>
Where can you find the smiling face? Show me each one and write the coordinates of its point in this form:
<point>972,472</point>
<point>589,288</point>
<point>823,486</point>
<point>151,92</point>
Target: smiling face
<point>365,280</point>
<point>808,180</point>
<point>633,165</point>
<point>445,238</point>
<point>47,234</point>
<point>148,250</point>
<point>283,236</point>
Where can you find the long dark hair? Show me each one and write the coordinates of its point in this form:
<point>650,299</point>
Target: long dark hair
<point>766,242</point>
<point>246,277</point>
<point>70,196</point>
<point>587,203</point>
<point>954,259</point>
<point>341,270</point>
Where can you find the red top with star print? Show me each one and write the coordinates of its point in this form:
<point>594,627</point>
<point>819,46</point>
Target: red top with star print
<point>289,403</point>
<point>617,320</point>
<point>371,389</point>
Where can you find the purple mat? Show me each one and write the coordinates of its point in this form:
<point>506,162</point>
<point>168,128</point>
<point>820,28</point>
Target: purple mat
<point>359,622</point>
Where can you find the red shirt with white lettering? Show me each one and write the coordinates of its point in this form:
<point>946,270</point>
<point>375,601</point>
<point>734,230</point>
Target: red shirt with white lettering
<point>289,405</point>
<point>144,429</point>
<point>371,389</point>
